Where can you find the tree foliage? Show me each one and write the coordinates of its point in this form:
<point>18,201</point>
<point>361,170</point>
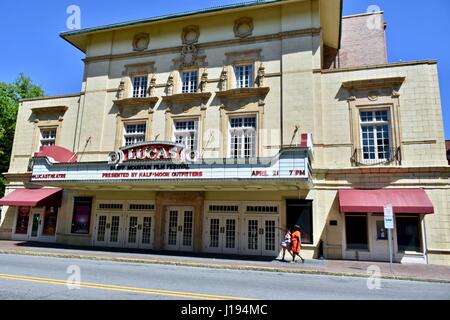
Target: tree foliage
<point>10,96</point>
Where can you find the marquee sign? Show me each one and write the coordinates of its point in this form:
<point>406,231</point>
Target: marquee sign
<point>160,161</point>
<point>152,151</point>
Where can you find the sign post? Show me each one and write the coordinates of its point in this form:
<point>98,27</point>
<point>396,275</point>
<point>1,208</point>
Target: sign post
<point>389,225</point>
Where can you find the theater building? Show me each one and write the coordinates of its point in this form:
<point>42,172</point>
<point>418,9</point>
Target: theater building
<point>211,131</point>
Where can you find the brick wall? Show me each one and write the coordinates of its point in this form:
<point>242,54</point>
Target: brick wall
<point>363,43</point>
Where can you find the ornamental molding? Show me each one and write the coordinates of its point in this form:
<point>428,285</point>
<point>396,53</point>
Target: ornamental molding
<point>189,57</point>
<point>141,42</point>
<point>190,34</point>
<point>212,44</point>
<point>243,27</point>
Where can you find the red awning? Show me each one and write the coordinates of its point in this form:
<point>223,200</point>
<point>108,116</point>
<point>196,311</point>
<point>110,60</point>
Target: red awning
<point>50,197</point>
<point>403,201</point>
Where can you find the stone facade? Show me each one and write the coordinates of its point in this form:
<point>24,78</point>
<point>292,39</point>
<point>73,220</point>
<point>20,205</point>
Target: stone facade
<point>308,87</point>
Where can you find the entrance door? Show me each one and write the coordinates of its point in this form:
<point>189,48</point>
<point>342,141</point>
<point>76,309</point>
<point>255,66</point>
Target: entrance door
<point>36,225</point>
<point>108,230</point>
<point>221,234</point>
<point>380,240</point>
<point>139,231</point>
<point>179,229</point>
<point>260,235</point>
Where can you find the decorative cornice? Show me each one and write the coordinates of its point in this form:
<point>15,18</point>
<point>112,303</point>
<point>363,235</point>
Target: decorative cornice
<point>374,83</point>
<point>76,95</point>
<point>243,93</point>
<point>379,66</point>
<point>50,109</point>
<point>188,97</point>
<point>14,177</point>
<point>413,142</point>
<point>133,102</point>
<point>207,45</point>
<point>380,170</point>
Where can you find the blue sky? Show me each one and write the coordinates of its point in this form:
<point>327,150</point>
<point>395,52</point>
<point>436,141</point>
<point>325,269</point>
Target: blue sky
<point>29,31</point>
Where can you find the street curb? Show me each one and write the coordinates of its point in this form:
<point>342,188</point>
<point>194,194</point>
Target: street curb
<point>215,266</point>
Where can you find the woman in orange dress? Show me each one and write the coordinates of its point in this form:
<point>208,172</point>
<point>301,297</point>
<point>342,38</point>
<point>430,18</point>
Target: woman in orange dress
<point>296,242</point>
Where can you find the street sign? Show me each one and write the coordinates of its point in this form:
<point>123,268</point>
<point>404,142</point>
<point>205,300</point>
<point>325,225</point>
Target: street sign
<point>389,225</point>
<point>388,216</point>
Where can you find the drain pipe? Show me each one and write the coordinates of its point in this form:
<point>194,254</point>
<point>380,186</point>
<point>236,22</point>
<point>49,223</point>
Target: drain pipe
<point>424,236</point>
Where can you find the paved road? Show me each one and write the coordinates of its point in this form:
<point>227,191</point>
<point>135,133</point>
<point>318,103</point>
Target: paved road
<point>44,278</point>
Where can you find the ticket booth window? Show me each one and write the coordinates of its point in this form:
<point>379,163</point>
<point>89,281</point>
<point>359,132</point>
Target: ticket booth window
<point>23,218</point>
<point>50,220</point>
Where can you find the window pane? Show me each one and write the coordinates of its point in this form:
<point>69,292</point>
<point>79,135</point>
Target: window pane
<point>140,87</point>
<point>408,234</point>
<point>23,217</point>
<point>375,139</point>
<point>356,232</point>
<point>50,220</point>
<point>186,134</point>
<point>81,215</point>
<point>190,81</point>
<point>244,76</point>
<point>134,133</point>
<point>243,137</point>
<point>48,137</point>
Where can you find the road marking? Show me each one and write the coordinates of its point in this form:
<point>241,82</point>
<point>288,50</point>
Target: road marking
<point>110,287</point>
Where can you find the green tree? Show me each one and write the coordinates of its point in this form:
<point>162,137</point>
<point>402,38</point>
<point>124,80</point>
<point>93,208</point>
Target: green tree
<point>10,96</point>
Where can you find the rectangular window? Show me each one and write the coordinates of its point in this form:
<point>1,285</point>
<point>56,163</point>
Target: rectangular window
<point>50,221</point>
<point>375,136</point>
<point>140,85</point>
<point>134,133</point>
<point>243,137</point>
<point>244,76</point>
<point>48,137</point>
<point>81,219</point>
<point>190,81</point>
<point>356,232</point>
<point>186,134</point>
<point>408,234</point>
<point>23,218</point>
<point>300,213</point>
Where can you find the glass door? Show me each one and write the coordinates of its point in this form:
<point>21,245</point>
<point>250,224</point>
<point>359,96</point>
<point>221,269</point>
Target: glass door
<point>229,231</point>
<point>260,235</point>
<point>251,234</point>
<point>146,232</point>
<point>269,237</point>
<point>35,225</point>
<point>187,230</point>
<point>179,229</point>
<point>108,230</point>
<point>139,231</point>
<point>131,234</point>
<point>172,216</point>
<point>380,240</point>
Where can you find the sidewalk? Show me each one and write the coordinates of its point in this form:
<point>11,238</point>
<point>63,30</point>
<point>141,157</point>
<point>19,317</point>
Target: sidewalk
<point>417,272</point>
